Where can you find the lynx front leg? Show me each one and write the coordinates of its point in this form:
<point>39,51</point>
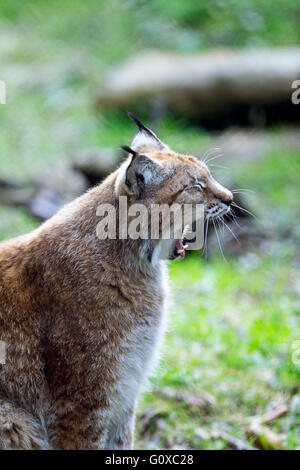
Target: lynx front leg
<point>120,435</point>
<point>79,427</point>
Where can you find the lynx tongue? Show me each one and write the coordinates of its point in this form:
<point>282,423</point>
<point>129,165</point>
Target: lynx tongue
<point>180,248</point>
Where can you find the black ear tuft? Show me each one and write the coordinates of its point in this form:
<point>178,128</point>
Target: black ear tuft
<point>129,150</point>
<point>145,139</point>
<point>138,123</point>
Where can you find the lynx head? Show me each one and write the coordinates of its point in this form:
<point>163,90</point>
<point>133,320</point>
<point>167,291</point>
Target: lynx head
<point>155,174</point>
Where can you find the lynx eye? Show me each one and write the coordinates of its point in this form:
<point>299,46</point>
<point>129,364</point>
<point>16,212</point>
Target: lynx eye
<point>198,184</point>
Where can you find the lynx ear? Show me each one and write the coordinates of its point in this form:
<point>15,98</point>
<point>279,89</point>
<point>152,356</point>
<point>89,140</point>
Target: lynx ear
<point>142,171</point>
<point>145,139</point>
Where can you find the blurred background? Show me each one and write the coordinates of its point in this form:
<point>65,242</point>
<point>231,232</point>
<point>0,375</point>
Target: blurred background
<point>213,79</point>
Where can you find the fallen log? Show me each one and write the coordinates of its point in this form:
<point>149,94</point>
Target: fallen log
<point>205,86</point>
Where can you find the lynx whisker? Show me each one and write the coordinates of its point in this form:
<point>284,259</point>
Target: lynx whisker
<point>213,158</point>
<point>233,217</point>
<point>244,210</point>
<point>242,191</point>
<point>208,153</point>
<point>218,238</point>
<point>227,226</point>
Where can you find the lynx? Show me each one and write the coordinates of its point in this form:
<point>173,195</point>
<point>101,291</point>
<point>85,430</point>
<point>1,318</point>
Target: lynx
<point>82,318</point>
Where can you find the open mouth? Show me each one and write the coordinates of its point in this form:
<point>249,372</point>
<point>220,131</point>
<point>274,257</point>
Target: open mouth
<point>179,249</point>
<point>180,245</point>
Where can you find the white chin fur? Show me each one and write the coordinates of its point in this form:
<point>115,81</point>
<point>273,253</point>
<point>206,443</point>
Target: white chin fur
<point>163,250</point>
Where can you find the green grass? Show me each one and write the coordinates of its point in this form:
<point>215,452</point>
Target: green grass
<point>232,324</point>
<point>232,329</point>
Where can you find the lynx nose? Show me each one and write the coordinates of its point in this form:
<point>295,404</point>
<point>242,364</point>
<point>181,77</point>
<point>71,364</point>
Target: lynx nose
<point>228,199</point>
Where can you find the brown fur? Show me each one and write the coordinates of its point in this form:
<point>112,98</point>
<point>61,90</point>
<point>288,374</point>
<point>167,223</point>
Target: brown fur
<point>81,317</point>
